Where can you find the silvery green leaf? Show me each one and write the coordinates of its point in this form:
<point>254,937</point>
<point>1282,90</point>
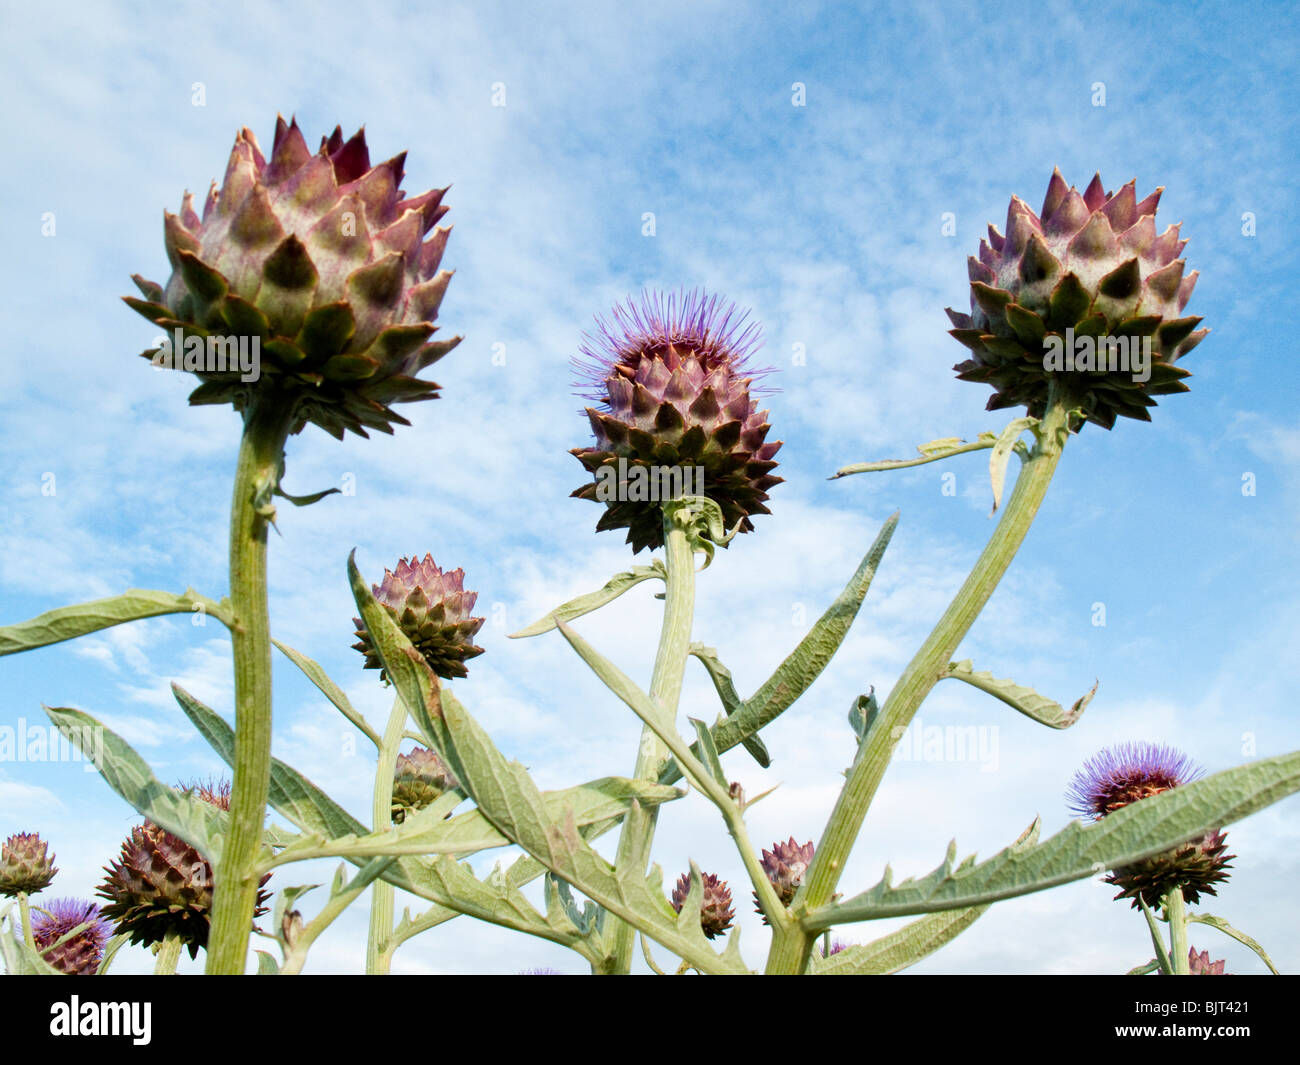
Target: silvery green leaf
<point>332,829</point>
<point>1019,698</point>
<point>110,952</point>
<point>805,663</point>
<point>931,452</point>
<point>1142,970</point>
<point>1002,454</point>
<point>329,689</point>
<point>895,952</point>
<point>187,817</point>
<point>266,964</point>
<point>1141,829</point>
<point>69,622</point>
<point>585,604</point>
<point>1240,937</point>
<point>708,752</point>
<point>731,702</point>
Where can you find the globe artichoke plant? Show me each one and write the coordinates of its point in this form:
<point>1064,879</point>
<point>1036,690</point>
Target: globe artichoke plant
<point>1084,294</point>
<point>675,395</point>
<point>26,866</point>
<point>319,268</point>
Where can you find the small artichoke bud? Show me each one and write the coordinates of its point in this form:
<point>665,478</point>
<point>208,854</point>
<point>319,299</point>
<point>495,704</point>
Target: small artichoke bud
<point>676,414</point>
<point>785,865</point>
<point>1129,773</point>
<point>433,609</point>
<point>419,778</point>
<point>1083,294</point>
<point>309,275</point>
<point>25,867</point>
<point>80,955</point>
<point>291,926</point>
<point>161,886</point>
<point>1200,964</point>
<point>715,909</point>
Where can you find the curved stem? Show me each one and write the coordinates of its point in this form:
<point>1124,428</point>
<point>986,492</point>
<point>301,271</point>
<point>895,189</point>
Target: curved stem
<point>378,952</point>
<point>791,947</point>
<point>267,422</point>
<point>665,692</point>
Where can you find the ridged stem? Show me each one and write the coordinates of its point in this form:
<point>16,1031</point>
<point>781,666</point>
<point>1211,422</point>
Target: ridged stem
<point>267,422</point>
<point>665,693</point>
<point>169,955</point>
<point>1176,915</point>
<point>791,947</point>
<point>378,955</point>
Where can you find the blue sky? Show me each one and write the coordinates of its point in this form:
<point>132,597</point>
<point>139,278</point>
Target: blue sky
<point>827,221</point>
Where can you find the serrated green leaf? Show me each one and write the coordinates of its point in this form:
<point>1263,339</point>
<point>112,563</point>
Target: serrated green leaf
<point>329,689</point>
<point>1141,829</point>
<point>895,952</point>
<point>187,817</point>
<point>931,452</point>
<point>69,622</point>
<point>805,663</point>
<point>585,604</point>
<point>1239,936</point>
<point>1001,455</point>
<point>1019,698</point>
<point>332,830</point>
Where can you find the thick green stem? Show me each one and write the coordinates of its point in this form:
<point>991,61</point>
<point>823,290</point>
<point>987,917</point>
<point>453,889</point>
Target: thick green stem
<point>378,954</point>
<point>1176,914</point>
<point>665,692</point>
<point>267,422</point>
<point>169,954</point>
<point>791,948</point>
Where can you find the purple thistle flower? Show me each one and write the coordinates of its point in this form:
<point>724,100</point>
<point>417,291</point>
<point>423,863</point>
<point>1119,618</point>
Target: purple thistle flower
<point>1119,775</point>
<point>80,955</point>
<point>712,328</point>
<point>676,414</point>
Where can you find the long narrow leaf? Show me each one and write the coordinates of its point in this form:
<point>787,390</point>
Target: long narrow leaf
<point>69,622</point>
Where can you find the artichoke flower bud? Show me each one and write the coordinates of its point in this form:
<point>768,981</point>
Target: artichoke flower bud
<point>785,865</point>
<point>1084,294</point>
<point>419,779</point>
<point>1129,773</point>
<point>715,908</point>
<point>677,414</point>
<point>25,866</point>
<point>161,886</point>
<point>307,277</point>
<point>433,610</point>
<point>1200,964</point>
<point>81,954</point>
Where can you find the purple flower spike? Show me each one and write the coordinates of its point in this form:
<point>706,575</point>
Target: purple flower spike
<point>1119,775</point>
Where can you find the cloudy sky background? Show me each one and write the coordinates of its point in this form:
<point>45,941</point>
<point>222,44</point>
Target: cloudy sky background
<point>826,220</point>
